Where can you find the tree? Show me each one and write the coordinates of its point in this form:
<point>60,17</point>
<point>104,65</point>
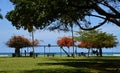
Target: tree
<point>96,39</point>
<point>65,42</point>
<point>19,42</point>
<point>86,39</point>
<point>104,40</point>
<point>64,13</point>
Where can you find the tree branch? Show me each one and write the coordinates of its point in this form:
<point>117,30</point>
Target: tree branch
<point>96,16</point>
<point>110,7</point>
<point>115,21</point>
<point>100,11</point>
<point>100,24</point>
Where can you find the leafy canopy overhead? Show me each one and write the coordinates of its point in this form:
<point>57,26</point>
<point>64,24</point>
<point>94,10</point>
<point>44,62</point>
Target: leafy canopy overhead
<point>64,13</point>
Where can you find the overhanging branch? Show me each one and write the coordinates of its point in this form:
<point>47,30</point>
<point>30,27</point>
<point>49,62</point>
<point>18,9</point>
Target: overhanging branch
<point>100,24</point>
<point>100,11</point>
<point>96,16</point>
<point>110,7</point>
<point>115,21</point>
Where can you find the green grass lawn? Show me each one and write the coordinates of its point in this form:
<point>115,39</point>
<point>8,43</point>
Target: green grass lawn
<point>59,64</point>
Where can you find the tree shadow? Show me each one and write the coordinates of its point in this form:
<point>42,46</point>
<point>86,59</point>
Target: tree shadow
<point>55,71</point>
<point>110,66</point>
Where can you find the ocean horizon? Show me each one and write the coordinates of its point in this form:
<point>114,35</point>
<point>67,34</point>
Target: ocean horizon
<point>62,53</point>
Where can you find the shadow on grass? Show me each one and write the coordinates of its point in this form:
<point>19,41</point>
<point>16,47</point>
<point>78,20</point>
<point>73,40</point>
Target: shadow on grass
<point>50,71</point>
<point>109,66</point>
<point>57,71</point>
<point>80,67</point>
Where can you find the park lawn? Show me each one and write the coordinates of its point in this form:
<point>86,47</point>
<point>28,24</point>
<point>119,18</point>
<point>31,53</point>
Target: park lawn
<point>59,64</point>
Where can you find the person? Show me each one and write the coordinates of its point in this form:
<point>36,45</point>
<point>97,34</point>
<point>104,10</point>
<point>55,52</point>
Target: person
<point>83,54</point>
<point>97,52</point>
<point>31,54</point>
<point>25,52</point>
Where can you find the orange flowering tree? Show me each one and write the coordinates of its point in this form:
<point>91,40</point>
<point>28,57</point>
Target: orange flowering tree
<point>19,42</point>
<point>65,42</point>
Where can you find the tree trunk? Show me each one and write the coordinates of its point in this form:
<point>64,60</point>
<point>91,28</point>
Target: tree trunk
<point>65,52</point>
<point>97,53</point>
<point>69,51</point>
<point>76,51</point>
<point>17,52</point>
<point>100,52</point>
<point>88,52</point>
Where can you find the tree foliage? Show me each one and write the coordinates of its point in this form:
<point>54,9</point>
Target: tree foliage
<point>64,13</point>
<point>19,42</point>
<point>85,45</point>
<point>96,39</point>
<point>104,40</point>
<point>65,41</point>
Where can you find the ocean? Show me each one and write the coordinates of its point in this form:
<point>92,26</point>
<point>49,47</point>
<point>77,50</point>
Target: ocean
<point>62,53</point>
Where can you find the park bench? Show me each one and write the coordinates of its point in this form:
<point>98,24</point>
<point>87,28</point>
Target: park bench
<point>50,54</point>
<point>81,54</point>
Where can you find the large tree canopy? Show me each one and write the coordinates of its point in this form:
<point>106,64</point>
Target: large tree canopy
<point>64,13</point>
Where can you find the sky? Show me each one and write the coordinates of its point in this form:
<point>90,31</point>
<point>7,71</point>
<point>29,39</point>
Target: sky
<point>7,31</point>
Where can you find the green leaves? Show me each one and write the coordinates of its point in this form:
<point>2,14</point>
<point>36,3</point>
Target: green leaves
<point>42,13</point>
<point>97,39</point>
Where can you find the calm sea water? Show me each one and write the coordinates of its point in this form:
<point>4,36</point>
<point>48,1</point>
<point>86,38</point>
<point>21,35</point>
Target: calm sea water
<point>58,53</point>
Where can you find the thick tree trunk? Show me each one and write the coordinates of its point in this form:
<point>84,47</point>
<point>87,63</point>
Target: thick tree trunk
<point>17,52</point>
<point>100,52</point>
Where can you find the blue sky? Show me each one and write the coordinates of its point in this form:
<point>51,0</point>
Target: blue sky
<point>7,30</point>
